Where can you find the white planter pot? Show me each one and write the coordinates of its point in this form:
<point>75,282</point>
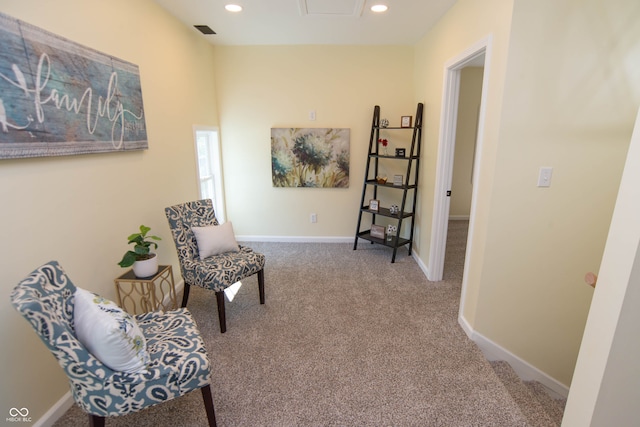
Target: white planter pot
<point>147,267</point>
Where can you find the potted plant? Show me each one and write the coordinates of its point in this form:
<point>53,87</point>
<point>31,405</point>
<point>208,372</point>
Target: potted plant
<point>144,262</point>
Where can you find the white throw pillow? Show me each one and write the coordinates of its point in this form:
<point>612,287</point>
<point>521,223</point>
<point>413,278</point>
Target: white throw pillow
<point>215,240</point>
<point>109,333</point>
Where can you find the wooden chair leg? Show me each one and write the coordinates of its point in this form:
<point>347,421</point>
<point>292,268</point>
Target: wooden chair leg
<point>261,285</point>
<point>208,404</point>
<point>96,421</point>
<point>185,294</point>
<point>221,314</point>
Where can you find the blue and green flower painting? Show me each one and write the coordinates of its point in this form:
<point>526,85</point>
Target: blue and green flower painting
<point>310,157</point>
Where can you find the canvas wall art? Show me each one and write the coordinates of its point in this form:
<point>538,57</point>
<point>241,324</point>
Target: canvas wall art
<point>60,98</point>
<point>310,157</point>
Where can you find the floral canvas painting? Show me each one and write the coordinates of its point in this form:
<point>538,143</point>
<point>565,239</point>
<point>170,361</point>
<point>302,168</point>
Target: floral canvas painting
<point>310,157</point>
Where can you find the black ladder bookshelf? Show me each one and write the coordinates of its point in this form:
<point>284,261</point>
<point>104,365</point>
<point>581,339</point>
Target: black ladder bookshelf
<point>408,186</point>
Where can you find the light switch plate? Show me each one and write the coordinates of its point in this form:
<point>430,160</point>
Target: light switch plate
<point>544,178</point>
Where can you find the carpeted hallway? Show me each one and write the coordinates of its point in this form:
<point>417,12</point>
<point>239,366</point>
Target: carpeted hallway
<point>345,339</point>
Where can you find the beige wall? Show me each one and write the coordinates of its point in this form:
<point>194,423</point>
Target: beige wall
<point>564,97</point>
<point>466,133</point>
<point>276,86</point>
<point>568,101</point>
<point>79,210</point>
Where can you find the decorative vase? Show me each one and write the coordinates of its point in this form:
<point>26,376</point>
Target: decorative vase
<point>146,267</point>
<point>391,232</point>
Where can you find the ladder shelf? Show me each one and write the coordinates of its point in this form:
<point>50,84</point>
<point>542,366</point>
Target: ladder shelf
<point>408,188</point>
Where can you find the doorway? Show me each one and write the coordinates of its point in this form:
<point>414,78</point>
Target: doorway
<point>475,56</point>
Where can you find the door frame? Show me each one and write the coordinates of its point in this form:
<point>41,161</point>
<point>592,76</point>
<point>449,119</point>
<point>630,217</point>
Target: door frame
<point>446,149</point>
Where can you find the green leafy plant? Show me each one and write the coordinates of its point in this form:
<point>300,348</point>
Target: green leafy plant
<point>141,249</point>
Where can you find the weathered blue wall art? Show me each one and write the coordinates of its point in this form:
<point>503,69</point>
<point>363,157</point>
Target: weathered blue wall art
<point>60,98</point>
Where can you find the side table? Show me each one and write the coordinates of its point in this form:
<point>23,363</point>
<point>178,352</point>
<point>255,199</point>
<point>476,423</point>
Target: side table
<point>152,293</point>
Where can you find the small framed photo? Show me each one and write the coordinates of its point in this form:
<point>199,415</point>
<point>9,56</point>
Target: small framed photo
<point>397,180</point>
<point>405,121</point>
<point>377,231</point>
<point>374,205</point>
<point>400,152</point>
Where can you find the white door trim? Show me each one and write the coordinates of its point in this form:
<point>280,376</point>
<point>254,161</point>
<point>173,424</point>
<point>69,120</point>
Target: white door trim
<point>446,149</point>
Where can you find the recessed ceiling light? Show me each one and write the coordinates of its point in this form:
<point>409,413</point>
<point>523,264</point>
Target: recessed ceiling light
<point>233,8</point>
<point>379,8</point>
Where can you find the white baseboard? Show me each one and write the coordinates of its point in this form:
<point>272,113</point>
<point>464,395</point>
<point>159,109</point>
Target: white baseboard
<point>421,264</point>
<point>56,411</point>
<point>296,239</point>
<point>525,371</point>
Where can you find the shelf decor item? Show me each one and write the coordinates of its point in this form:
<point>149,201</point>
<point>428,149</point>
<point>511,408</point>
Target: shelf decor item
<point>384,123</point>
<point>406,183</point>
<point>374,205</point>
<point>377,231</point>
<point>391,232</point>
<point>384,142</point>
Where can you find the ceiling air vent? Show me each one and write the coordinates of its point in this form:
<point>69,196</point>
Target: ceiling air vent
<point>204,29</point>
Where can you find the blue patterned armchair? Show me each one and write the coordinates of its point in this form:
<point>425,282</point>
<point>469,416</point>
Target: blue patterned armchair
<point>177,363</point>
<point>216,272</point>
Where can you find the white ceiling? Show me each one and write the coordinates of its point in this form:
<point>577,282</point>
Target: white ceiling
<point>288,22</point>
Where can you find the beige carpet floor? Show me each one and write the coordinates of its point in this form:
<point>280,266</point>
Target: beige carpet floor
<point>345,339</point>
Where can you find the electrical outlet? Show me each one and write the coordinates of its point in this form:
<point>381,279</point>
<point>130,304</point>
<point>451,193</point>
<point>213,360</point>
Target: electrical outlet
<point>314,218</point>
<point>312,115</point>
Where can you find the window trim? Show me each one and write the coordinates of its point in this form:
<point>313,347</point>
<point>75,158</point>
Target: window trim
<point>216,168</point>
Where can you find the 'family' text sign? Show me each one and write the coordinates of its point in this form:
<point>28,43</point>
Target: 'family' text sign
<point>60,98</point>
